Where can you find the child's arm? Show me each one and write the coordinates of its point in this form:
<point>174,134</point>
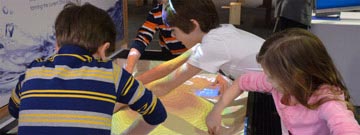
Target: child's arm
<point>213,120</point>
<point>133,57</point>
<point>164,68</point>
<point>164,85</point>
<point>140,99</point>
<point>138,127</point>
<point>339,119</point>
<point>223,82</point>
<point>143,38</point>
<point>253,81</point>
<point>14,101</point>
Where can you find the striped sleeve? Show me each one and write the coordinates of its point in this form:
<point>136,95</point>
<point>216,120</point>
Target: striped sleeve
<point>14,101</point>
<point>147,31</point>
<point>140,99</point>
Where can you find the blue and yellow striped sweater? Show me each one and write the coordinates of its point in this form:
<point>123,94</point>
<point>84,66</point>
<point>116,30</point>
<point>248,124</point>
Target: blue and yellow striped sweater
<point>73,93</point>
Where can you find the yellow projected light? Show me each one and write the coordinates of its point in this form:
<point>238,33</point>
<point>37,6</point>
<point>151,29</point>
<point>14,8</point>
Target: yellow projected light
<point>187,112</point>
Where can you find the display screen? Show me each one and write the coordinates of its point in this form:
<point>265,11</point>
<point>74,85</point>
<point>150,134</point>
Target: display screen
<point>322,6</point>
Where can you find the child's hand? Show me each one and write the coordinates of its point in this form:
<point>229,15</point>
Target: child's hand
<point>118,61</point>
<point>120,106</point>
<point>213,123</point>
<point>221,82</point>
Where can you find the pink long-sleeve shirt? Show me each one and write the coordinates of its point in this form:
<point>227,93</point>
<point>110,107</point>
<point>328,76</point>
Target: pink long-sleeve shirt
<point>330,118</point>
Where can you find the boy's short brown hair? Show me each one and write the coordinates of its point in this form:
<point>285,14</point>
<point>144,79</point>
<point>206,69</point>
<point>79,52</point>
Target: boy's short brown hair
<point>179,12</point>
<point>86,26</point>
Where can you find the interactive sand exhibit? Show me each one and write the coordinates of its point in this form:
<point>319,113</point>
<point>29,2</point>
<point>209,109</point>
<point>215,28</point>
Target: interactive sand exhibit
<point>187,111</point>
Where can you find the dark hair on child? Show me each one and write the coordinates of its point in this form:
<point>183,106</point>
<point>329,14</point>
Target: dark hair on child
<point>180,12</point>
<point>86,26</point>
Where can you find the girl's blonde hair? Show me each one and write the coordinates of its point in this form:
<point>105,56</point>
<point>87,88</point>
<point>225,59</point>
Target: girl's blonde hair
<point>299,62</point>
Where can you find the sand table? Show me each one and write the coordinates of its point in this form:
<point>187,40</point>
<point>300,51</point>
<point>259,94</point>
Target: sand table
<point>187,111</point>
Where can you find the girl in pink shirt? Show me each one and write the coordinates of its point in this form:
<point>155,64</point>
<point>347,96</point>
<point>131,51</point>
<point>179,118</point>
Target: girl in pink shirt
<point>308,91</point>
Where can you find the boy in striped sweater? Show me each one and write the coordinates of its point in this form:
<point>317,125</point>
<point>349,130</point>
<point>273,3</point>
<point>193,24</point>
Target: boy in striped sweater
<point>75,90</point>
